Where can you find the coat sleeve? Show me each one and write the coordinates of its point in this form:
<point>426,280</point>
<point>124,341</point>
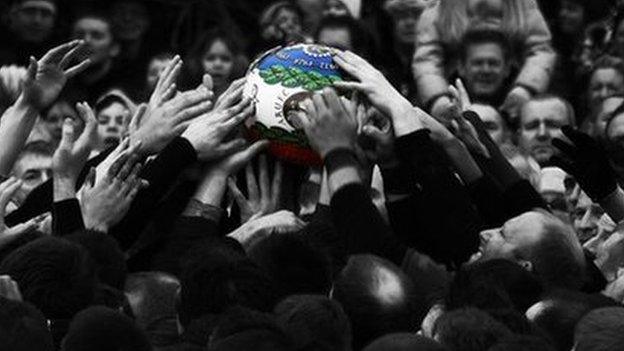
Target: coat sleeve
<point>428,61</point>
<point>539,55</point>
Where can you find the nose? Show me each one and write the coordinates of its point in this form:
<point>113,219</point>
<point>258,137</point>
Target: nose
<point>542,131</point>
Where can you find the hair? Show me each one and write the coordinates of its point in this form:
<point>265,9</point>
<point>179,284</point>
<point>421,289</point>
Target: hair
<point>469,329</point>
<point>600,330</point>
<point>404,342</point>
<point>103,329</point>
<point>109,260</point>
<point>99,12</point>
<point>559,313</point>
<point>39,147</point>
<point>162,56</point>
<point>558,257</point>
<point>23,327</point>
<point>522,343</point>
<point>315,322</point>
<point>152,296</point>
<point>54,274</point>
<point>270,12</point>
<point>485,36</point>
<point>495,284</point>
<point>111,97</point>
<point>245,329</point>
<point>215,278</point>
<point>570,114</point>
<point>378,298</point>
<point>608,62</point>
<point>294,264</point>
<point>360,38</point>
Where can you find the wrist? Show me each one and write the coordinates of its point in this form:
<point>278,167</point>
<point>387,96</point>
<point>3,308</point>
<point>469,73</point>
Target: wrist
<point>22,104</point>
<point>407,121</point>
<point>211,190</point>
<point>340,158</point>
<point>333,148</point>
<point>64,188</point>
<point>95,224</point>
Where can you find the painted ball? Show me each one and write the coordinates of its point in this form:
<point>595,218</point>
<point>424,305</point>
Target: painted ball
<point>278,82</point>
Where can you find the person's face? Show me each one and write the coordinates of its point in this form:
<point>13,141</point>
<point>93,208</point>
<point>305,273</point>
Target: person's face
<point>288,22</point>
<point>335,8</point>
<point>111,123</point>
<point>130,20</point>
<point>608,106</point>
<point>517,234</point>
<point>53,120</point>
<point>405,26</point>
<point>585,217</point>
<point>339,38</point>
<point>33,20</point>
<point>540,122</point>
<point>33,170</point>
<point>571,17</point>
<point>493,122</point>
<point>96,33</point>
<point>604,83</point>
<point>218,61</point>
<point>485,69</point>
<point>154,69</point>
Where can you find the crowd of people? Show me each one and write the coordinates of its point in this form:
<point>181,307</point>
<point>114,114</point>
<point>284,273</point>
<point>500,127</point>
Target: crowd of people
<point>470,197</point>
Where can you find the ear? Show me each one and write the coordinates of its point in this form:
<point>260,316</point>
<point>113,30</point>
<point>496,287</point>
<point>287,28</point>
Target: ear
<point>526,265</point>
<point>115,50</point>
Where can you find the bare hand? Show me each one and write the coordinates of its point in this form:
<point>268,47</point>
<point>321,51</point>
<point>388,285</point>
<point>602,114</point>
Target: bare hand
<point>378,145</point>
<point>73,151</point>
<point>514,101</point>
<point>464,130</point>
<point>47,77</point>
<point>8,189</point>
<point>263,195</point>
<point>259,228</point>
<point>328,124</point>
<point>166,87</point>
<point>107,199</point>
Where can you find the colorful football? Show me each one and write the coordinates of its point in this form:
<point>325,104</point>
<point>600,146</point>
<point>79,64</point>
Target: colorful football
<point>277,82</point>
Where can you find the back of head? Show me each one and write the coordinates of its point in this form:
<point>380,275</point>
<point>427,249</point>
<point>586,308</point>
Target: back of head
<point>600,330</point>
<point>295,266</point>
<point>23,327</point>
<point>222,278</point>
<point>522,343</point>
<point>315,322</point>
<point>103,329</point>
<point>469,329</point>
<point>152,298</point>
<point>244,329</point>
<point>494,283</point>
<point>404,342</point>
<point>558,314</point>
<point>377,296</point>
<point>53,274</point>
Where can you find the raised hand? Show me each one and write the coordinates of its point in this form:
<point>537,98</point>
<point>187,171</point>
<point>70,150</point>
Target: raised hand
<point>263,194</point>
<point>328,123</point>
<point>47,77</point>
<point>106,200</point>
<point>210,134</point>
<point>377,138</point>
<point>514,101</point>
<point>231,95</point>
<point>158,127</point>
<point>166,87</point>
<point>586,160</point>
<point>8,189</point>
<point>463,129</point>
<point>74,150</point>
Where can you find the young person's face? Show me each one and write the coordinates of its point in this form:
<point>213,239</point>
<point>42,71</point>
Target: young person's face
<point>339,38</point>
<point>33,20</point>
<point>112,122</point>
<point>130,20</point>
<point>405,26</point>
<point>34,170</point>
<point>218,61</point>
<point>154,69</point>
<point>571,17</point>
<point>335,8</point>
<point>604,83</point>
<point>485,69</point>
<point>540,122</point>
<point>53,120</point>
<point>97,34</point>
<point>288,22</point>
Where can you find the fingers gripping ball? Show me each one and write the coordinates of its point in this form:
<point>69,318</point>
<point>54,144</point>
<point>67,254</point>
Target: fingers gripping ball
<point>278,82</point>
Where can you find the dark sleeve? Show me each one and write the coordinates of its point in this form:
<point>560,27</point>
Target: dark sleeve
<point>187,232</point>
<point>40,200</point>
<point>161,174</point>
<point>438,218</point>
<point>595,282</point>
<point>362,227</point>
<point>66,217</point>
